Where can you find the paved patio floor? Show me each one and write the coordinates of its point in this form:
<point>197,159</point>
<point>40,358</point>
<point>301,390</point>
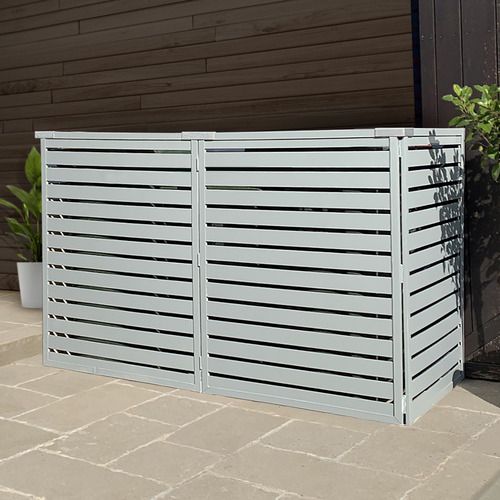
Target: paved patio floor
<point>69,435</point>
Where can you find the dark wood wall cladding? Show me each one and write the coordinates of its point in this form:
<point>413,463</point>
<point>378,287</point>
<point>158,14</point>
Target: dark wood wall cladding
<point>460,43</point>
<point>169,65</point>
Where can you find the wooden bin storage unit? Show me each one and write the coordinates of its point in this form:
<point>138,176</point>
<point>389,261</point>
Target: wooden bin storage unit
<point>319,269</point>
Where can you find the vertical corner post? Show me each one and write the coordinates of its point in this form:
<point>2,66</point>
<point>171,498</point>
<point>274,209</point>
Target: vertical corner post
<point>195,262</point>
<point>202,270</point>
<point>397,278</point>
<point>43,146</point>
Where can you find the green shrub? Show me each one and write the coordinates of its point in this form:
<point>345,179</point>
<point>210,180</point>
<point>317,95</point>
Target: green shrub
<point>480,115</point>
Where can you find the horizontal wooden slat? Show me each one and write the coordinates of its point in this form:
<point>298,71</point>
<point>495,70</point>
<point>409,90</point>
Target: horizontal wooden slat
<point>119,247</point>
<point>434,254</point>
<point>301,338</point>
<point>300,218</point>
<point>427,276</point>
<point>122,370</point>
<point>304,319</point>
<point>436,156</point>
<point>309,239</point>
<point>300,397</point>
<point>317,300</point>
<point>433,313</point>
<point>119,299</point>
<point>433,374</point>
<point>433,215</point>
<point>433,334</point>
<point>431,176</point>
<point>125,212</point>
<point>429,295</point>
<point>301,378</point>
<point>122,334</point>
<point>103,176</point>
<point>434,234</point>
<point>118,144</point>
<point>301,359</point>
<point>306,279</point>
<point>433,353</point>
<point>354,180</point>
<point>433,140</point>
<point>121,229</point>
<point>127,318</point>
<point>214,147</point>
<point>120,264</point>
<point>122,353</point>
<point>434,195</point>
<point>300,258</point>
<point>251,159</point>
<point>255,197</point>
<point>123,194</point>
<point>114,159</point>
<point>131,283</point>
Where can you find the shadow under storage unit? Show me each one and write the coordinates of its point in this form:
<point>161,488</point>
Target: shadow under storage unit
<point>318,269</point>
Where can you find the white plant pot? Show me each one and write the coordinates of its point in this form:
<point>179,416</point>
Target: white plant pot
<point>30,283</point>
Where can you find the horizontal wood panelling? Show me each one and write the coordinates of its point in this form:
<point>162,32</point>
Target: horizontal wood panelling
<point>170,65</point>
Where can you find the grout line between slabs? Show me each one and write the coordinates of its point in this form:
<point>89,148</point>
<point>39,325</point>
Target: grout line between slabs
<point>441,465</point>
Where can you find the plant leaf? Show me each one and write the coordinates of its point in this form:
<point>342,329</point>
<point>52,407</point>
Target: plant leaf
<point>33,167</point>
<point>10,205</point>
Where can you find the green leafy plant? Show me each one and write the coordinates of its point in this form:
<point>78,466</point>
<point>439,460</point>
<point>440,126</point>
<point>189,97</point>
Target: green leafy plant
<point>480,115</point>
<point>25,226</point>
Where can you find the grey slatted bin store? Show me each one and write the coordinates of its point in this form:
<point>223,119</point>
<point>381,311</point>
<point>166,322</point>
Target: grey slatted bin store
<point>318,269</point>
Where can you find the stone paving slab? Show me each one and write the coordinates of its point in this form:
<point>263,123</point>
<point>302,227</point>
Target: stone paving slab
<point>20,329</point>
<point>53,476</point>
<point>69,435</point>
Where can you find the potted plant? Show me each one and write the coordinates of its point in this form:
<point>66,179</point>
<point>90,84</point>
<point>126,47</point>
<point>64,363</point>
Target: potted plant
<point>25,227</point>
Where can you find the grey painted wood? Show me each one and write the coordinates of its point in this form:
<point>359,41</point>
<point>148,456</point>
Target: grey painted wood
<point>121,264</point>
<point>434,156</point>
<point>436,351</point>
<point>124,194</point>
<point>303,398</point>
<point>103,176</point>
<point>120,282</point>
<point>434,215</point>
<point>436,371</point>
<point>299,160</point>
<point>121,247</point>
<point>121,334</point>
<point>114,159</point>
<point>304,378</point>
<point>369,180</point>
<point>302,318</point>
<point>334,199</point>
<point>440,289</point>
<point>302,359</point>
<point>117,299</point>
<point>122,317</point>
<point>306,239</point>
<point>126,354</point>
<point>310,281</point>
<point>123,143</point>
<point>96,210</point>
<point>355,344</point>
<point>299,298</point>
<point>434,333</point>
<point>119,369</point>
<point>130,230</point>
<point>299,278</point>
<point>300,258</point>
<point>431,274</point>
<point>330,220</point>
